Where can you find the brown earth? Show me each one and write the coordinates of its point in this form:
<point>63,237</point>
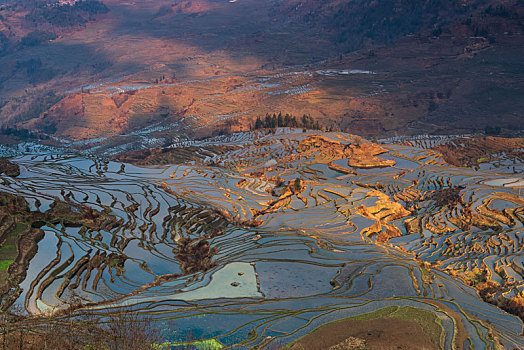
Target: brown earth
<point>9,168</point>
<point>384,334</point>
<point>158,156</point>
<point>467,152</point>
<point>493,292</point>
<point>383,212</point>
<point>195,255</point>
<point>359,154</point>
<point>322,150</point>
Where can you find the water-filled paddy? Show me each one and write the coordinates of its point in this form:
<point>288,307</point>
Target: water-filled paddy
<point>312,258</point>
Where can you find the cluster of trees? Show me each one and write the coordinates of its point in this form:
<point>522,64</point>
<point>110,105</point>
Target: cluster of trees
<point>23,133</point>
<point>35,70</point>
<point>31,65</point>
<point>66,15</point>
<point>297,184</point>
<point>357,23</point>
<point>39,105</point>
<point>273,121</point>
<point>37,37</point>
<point>387,20</point>
<point>449,197</point>
<point>499,11</point>
<point>91,6</point>
<point>163,78</point>
<point>492,130</point>
<point>487,26</point>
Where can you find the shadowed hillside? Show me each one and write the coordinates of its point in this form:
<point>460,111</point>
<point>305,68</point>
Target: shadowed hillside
<point>119,67</point>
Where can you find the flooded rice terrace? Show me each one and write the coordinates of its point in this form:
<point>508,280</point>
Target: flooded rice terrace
<point>261,245</point>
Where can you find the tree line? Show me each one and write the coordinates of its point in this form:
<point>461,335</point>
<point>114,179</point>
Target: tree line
<point>22,133</point>
<point>271,121</point>
<point>67,15</point>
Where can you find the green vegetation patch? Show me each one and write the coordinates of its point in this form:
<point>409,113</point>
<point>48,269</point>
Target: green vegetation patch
<point>425,272</point>
<point>380,313</point>
<point>8,249</point>
<point>4,264</point>
<point>206,344</point>
<point>19,228</point>
<point>427,319</point>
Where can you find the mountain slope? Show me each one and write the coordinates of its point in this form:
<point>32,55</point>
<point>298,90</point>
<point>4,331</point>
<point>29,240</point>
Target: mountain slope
<point>439,63</point>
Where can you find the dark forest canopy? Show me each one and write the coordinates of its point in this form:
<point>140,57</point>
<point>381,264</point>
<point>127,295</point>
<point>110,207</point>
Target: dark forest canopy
<point>274,120</point>
<point>64,15</point>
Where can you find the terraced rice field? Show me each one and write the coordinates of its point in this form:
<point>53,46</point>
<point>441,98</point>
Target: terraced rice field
<point>262,244</point>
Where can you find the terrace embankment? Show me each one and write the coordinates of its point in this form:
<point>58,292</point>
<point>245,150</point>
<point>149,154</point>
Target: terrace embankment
<point>468,152</point>
<point>413,193</point>
<point>9,168</point>
<point>383,213</point>
<point>158,156</point>
<point>359,154</point>
<point>323,150</point>
<point>446,211</point>
<point>449,211</point>
<point>21,231</point>
<point>333,239</point>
